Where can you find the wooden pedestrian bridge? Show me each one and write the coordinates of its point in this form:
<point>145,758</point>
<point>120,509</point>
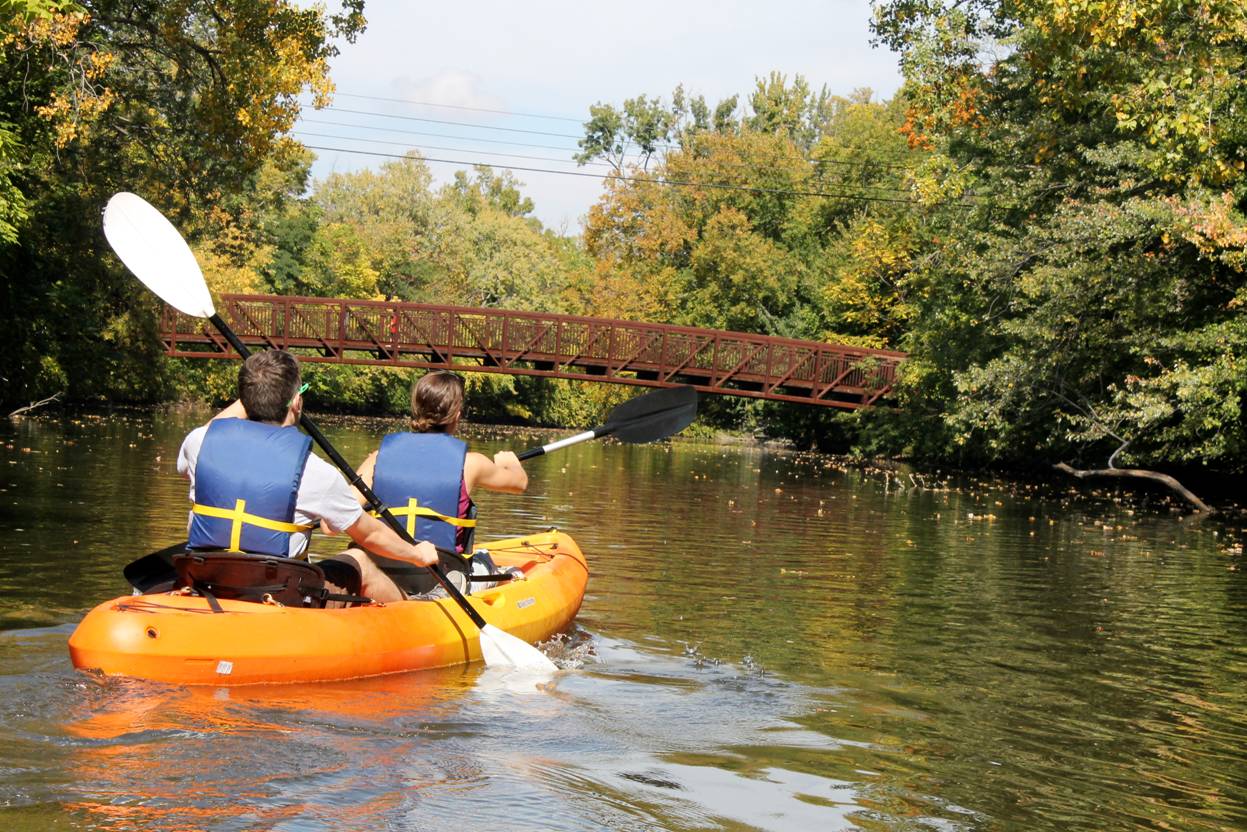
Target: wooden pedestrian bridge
<point>399,334</point>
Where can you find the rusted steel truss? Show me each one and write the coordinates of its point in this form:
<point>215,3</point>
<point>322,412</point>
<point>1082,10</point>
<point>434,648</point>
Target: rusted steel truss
<point>399,334</point>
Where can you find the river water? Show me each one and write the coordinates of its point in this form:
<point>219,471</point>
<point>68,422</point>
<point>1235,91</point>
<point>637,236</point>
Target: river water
<point>769,641</point>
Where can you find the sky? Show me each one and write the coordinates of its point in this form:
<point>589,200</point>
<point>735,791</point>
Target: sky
<point>545,63</point>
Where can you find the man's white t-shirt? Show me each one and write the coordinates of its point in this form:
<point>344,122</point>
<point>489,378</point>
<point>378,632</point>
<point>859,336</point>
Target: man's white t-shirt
<point>324,495</point>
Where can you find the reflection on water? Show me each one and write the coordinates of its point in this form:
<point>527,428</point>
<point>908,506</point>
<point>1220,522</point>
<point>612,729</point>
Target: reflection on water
<point>338,753</point>
<point>770,641</point>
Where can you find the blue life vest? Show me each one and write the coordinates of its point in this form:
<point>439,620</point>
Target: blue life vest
<point>246,483</point>
<point>420,476</point>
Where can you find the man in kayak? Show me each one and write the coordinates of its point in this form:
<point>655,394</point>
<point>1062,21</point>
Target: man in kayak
<point>427,476</point>
<point>256,487</point>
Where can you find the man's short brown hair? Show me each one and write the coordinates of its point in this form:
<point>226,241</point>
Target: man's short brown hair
<point>267,383</point>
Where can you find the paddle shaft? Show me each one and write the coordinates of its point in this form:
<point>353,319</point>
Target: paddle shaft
<point>605,430</point>
<point>646,418</point>
<point>356,480</point>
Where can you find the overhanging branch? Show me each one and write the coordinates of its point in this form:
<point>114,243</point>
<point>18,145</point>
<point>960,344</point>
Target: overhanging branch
<point>1138,473</point>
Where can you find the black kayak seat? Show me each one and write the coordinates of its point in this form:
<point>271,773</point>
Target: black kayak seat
<point>258,578</point>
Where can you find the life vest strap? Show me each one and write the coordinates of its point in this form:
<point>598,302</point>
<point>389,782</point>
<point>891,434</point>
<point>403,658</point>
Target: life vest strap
<point>239,515</point>
<point>414,510</point>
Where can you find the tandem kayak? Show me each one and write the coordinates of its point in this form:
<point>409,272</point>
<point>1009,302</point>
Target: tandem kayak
<point>180,639</point>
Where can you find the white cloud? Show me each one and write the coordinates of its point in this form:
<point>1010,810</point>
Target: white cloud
<point>453,87</point>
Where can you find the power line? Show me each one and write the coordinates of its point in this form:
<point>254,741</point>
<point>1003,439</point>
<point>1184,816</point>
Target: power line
<point>452,149</point>
<point>459,107</point>
<point>579,137</point>
<point>455,123</point>
<point>657,181</point>
<point>400,131</point>
<point>474,139</point>
<point>435,135</point>
<point>422,148</point>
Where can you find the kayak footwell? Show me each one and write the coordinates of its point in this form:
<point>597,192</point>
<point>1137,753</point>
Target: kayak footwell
<point>180,639</point>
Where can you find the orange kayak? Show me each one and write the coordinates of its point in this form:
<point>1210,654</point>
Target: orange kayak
<point>178,638</point>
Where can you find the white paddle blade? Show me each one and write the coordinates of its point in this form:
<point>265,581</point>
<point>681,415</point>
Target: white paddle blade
<point>501,649</point>
<point>155,252</point>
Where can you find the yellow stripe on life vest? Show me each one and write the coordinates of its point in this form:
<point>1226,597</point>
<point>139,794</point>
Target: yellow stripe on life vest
<point>414,510</point>
<point>238,515</point>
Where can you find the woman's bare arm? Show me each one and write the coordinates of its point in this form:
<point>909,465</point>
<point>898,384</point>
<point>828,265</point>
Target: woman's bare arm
<point>503,473</point>
<point>365,471</point>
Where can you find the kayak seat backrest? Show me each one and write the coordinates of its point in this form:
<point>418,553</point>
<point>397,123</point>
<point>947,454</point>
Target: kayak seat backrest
<point>243,577</point>
<point>342,575</point>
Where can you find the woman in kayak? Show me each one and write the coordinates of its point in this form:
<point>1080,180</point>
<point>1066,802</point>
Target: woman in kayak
<point>426,477</point>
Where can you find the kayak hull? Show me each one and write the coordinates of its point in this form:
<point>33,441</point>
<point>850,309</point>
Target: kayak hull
<point>179,639</point>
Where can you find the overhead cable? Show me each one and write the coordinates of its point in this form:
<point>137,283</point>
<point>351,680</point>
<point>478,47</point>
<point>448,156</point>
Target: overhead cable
<point>434,135</point>
<point>403,132</point>
<point>656,180</point>
<point>456,123</point>
<point>458,107</point>
<point>423,147</point>
<point>579,137</point>
<point>452,149</point>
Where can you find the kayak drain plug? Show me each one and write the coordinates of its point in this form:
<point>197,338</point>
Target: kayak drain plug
<point>151,632</point>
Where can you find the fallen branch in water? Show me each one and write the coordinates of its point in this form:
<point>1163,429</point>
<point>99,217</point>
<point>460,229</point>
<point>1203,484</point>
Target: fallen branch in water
<point>35,405</point>
<point>1138,473</point>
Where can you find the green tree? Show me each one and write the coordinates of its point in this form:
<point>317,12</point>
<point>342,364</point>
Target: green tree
<point>642,127</point>
<point>1094,308</point>
<point>791,110</point>
<point>496,259</point>
<point>338,264</point>
<point>392,212</point>
<point>763,233</point>
<point>182,103</point>
<point>486,189</point>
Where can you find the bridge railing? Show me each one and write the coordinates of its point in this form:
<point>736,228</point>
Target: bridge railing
<point>544,344</point>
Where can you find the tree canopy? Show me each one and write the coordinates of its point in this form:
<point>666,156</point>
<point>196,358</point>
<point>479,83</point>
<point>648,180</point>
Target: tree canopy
<point>1049,217</point>
<point>184,102</point>
<point>1095,304</point>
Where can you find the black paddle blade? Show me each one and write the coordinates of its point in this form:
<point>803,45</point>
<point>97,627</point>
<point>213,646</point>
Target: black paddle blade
<point>155,571</point>
<point>654,416</point>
